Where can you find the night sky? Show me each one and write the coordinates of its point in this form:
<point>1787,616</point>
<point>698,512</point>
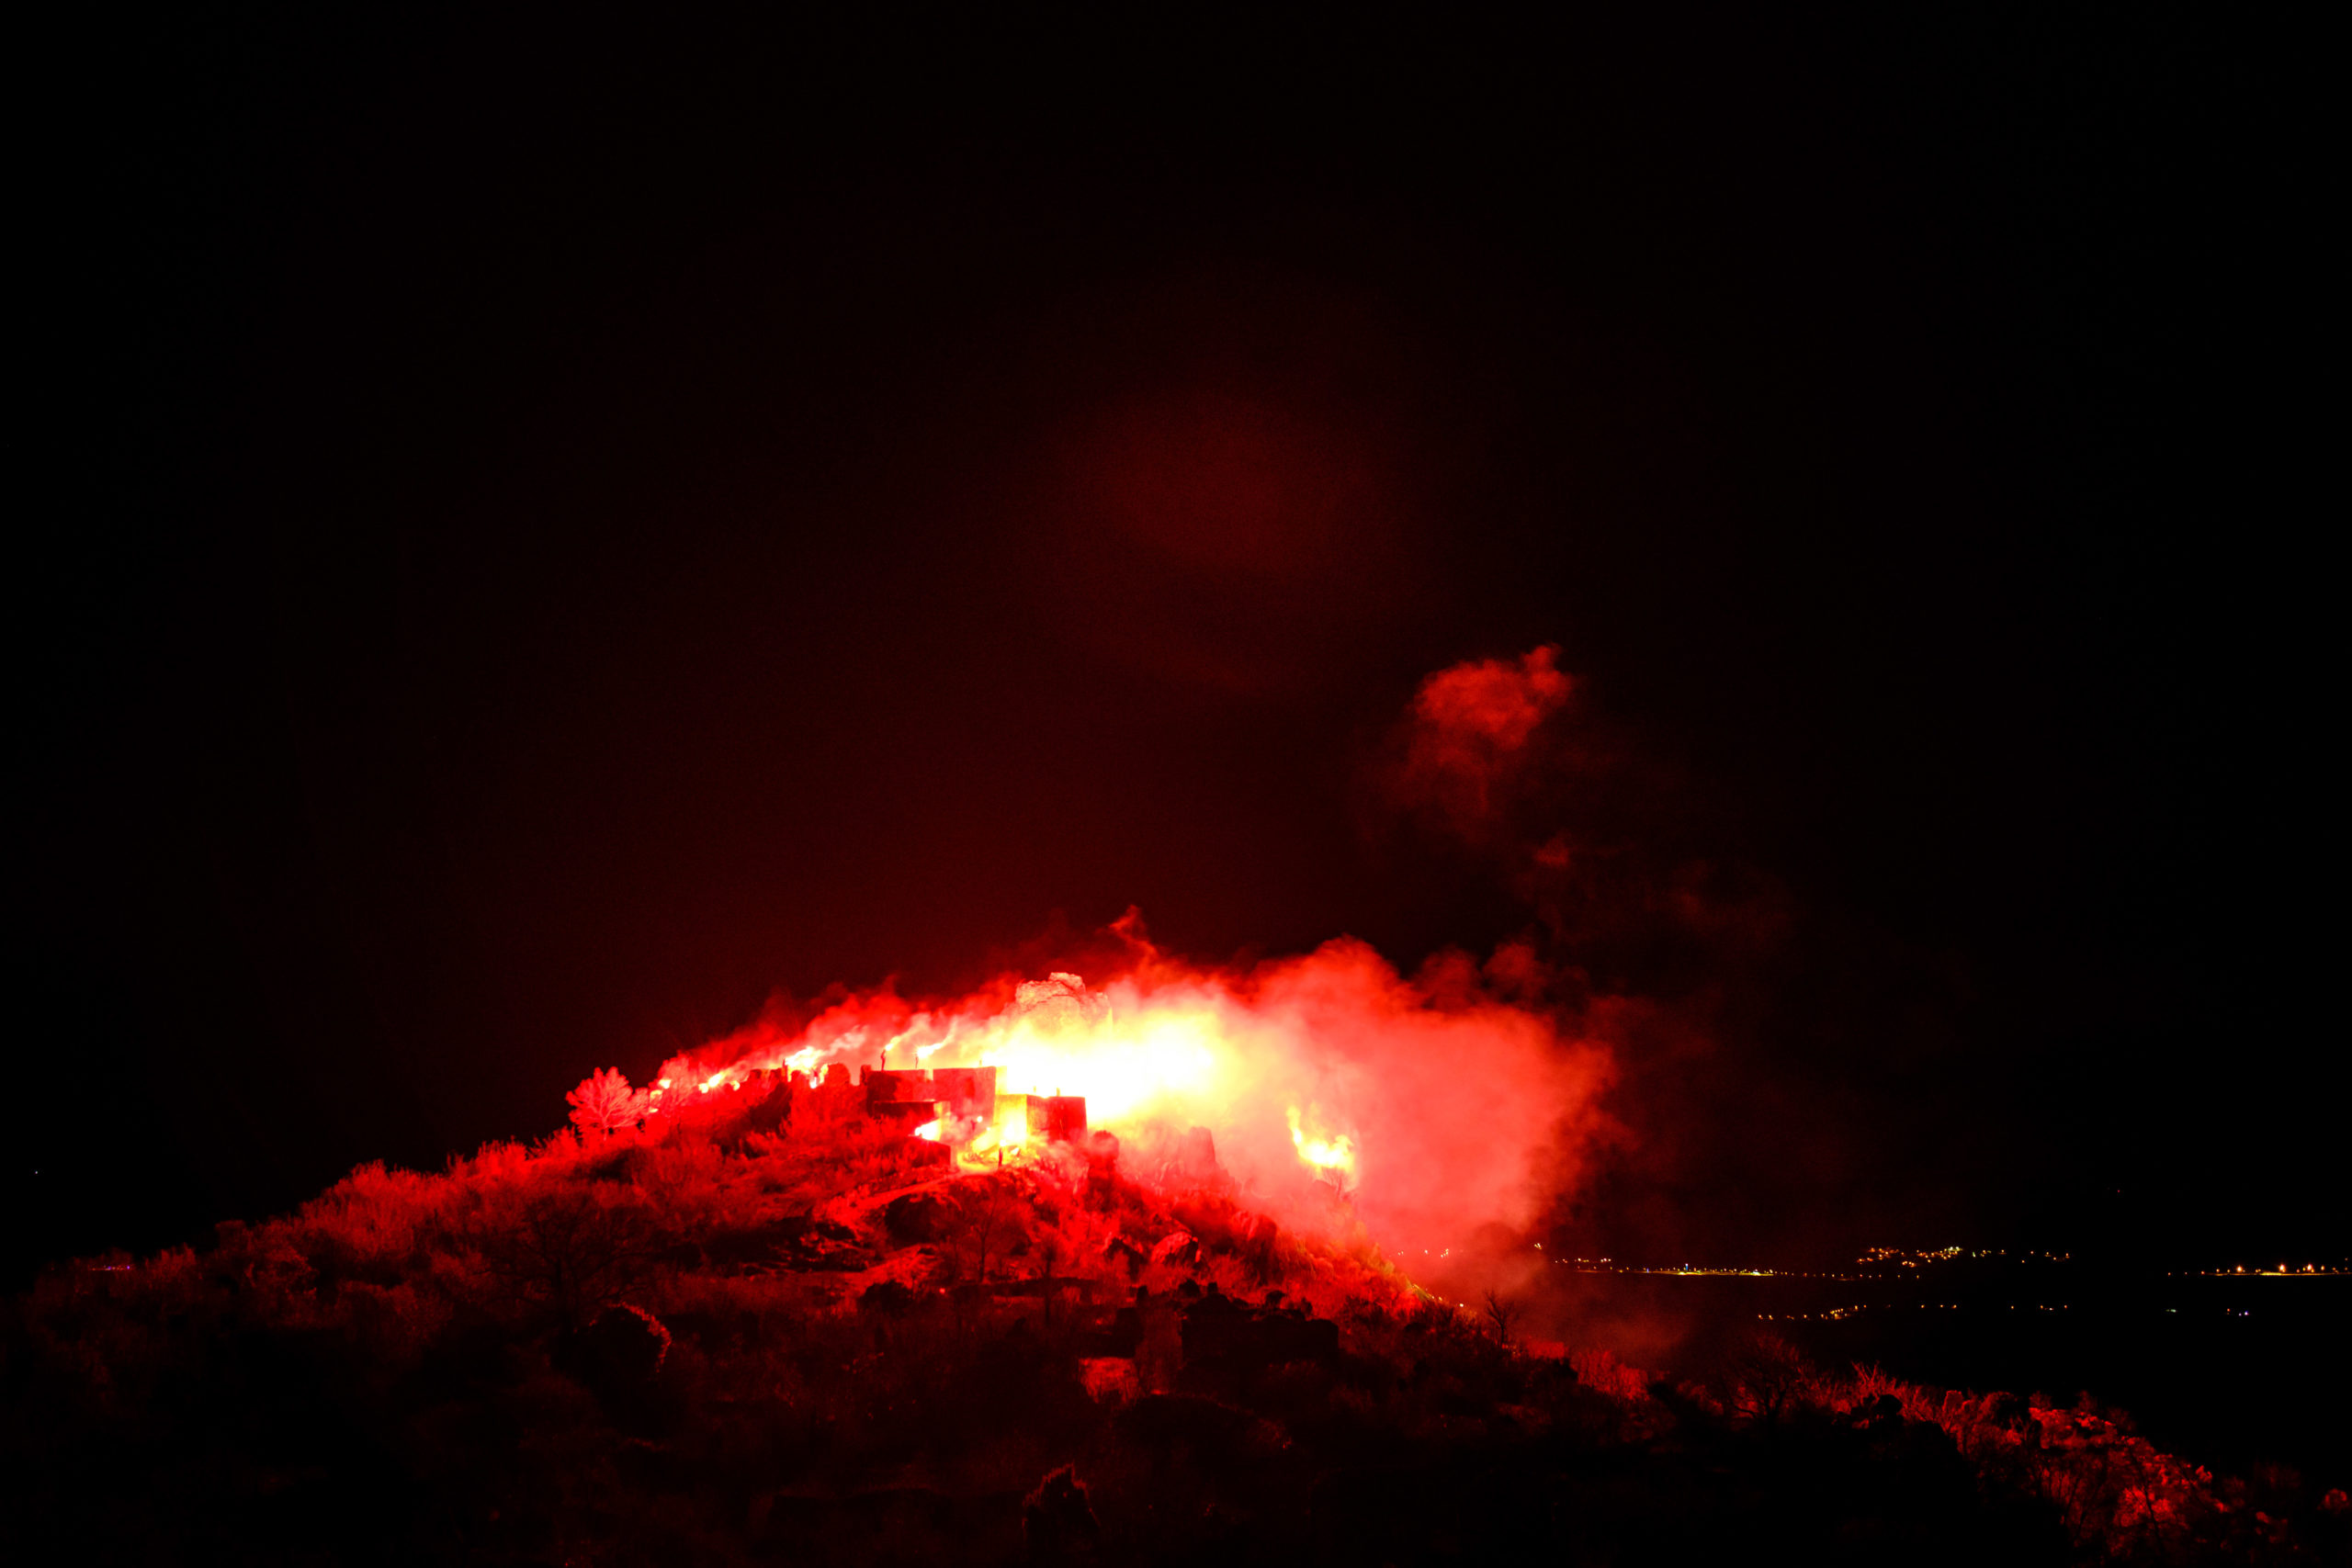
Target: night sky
<point>538,534</point>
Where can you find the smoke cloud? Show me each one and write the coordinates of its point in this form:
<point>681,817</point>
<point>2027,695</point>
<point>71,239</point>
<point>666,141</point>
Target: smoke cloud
<point>1337,1091</point>
<point>1466,743</point>
<point>1744,1118</point>
<point>1657,1066</point>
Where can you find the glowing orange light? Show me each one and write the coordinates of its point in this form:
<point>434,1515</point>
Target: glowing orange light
<point>1337,1155</point>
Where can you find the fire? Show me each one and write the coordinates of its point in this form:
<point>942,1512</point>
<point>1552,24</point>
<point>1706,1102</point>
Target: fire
<point>1121,1070</point>
<point>1335,1155</point>
<point>1431,1105</point>
<point>1013,1127</point>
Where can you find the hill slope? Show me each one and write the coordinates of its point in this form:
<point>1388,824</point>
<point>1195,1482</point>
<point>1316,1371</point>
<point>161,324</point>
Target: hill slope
<point>826,1342</point>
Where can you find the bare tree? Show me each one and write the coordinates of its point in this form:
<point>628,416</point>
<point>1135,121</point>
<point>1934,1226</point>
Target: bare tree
<point>980,1229</point>
<point>1501,1314</point>
<point>572,1250</point>
<point>1766,1378</point>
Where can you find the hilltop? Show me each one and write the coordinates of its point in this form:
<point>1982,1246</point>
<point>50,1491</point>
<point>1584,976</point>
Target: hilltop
<point>806,1336</point>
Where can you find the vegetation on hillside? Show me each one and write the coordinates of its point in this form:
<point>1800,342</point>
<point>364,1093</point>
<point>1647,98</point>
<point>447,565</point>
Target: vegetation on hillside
<point>812,1338</point>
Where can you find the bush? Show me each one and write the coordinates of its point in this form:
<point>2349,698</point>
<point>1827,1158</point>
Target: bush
<point>604,1104</point>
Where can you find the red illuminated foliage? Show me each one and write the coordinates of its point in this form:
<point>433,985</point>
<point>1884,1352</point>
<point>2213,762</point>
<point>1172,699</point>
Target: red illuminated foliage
<point>604,1104</point>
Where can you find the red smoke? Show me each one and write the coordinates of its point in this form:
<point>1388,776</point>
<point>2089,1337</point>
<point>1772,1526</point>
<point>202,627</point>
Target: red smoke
<point>1336,1090</point>
<point>1468,733</point>
<point>1337,1093</point>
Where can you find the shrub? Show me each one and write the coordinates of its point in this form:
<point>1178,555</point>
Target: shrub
<point>571,1249</point>
<point>604,1104</point>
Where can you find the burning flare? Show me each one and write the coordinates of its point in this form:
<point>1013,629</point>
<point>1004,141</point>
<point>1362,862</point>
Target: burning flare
<point>1337,1155</point>
<point>1428,1105</point>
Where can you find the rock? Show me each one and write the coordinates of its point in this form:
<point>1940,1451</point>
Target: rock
<point>624,1346</point>
<point>1177,1247</point>
<point>886,1298</point>
<point>922,1216</point>
<point>1059,1519</point>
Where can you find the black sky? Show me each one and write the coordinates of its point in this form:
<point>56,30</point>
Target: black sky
<point>552,530</point>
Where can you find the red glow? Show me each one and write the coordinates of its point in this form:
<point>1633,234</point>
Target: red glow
<point>1336,1090</point>
<point>1490,703</point>
<point>1470,726</point>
